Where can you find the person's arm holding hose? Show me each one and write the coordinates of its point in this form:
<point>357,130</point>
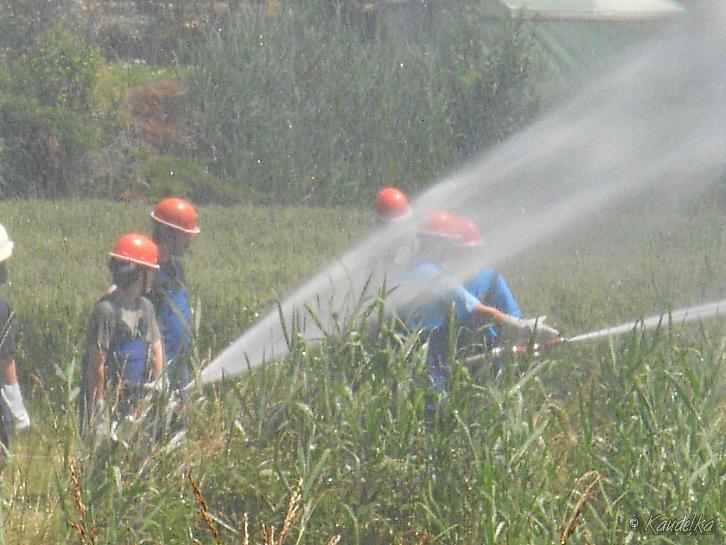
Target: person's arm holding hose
<point>531,325</point>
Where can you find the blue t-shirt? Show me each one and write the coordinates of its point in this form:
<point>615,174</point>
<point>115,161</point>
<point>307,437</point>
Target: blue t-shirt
<point>432,296</point>
<point>491,289</point>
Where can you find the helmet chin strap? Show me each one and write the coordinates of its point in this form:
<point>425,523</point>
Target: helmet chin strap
<point>180,243</point>
<point>148,280</point>
<point>166,248</point>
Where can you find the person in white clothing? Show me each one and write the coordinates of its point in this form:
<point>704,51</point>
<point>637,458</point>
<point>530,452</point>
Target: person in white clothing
<point>14,415</point>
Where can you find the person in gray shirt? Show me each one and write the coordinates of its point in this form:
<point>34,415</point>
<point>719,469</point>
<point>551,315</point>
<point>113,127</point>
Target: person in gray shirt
<point>123,347</point>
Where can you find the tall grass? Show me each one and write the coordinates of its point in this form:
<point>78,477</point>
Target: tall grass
<point>244,259</point>
<point>510,461</point>
<point>566,448</point>
<point>300,105</point>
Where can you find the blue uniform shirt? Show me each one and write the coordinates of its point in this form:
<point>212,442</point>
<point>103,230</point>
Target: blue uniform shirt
<point>491,289</point>
<point>432,297</point>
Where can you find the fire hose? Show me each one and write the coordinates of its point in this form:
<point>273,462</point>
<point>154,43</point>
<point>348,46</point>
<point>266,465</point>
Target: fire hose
<point>701,312</point>
<point>713,309</point>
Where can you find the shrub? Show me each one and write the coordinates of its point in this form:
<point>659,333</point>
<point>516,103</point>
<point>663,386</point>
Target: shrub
<point>154,110</point>
<point>173,27</point>
<point>167,175</point>
<point>21,21</point>
<point>43,149</point>
<point>45,128</point>
<point>123,36</point>
<point>60,69</point>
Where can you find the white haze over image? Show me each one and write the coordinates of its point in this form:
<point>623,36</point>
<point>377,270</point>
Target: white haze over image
<point>656,125</point>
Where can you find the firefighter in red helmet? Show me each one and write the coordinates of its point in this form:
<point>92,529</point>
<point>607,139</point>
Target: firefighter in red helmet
<point>392,211</point>
<point>123,348</point>
<point>174,223</point>
<point>491,289</point>
<point>391,205</point>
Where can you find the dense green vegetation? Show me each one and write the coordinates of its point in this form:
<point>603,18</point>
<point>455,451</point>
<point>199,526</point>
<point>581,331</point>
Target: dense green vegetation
<point>591,435</point>
<point>300,106</point>
<point>310,102</point>
<point>262,113</point>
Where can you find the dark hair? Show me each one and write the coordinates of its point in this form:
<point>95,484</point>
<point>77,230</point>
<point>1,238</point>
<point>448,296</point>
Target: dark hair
<point>163,232</point>
<point>3,273</point>
<point>123,273</point>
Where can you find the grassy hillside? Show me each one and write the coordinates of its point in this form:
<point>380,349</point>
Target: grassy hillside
<point>570,448</point>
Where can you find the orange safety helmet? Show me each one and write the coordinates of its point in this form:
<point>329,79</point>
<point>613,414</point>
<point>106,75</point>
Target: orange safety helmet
<point>469,233</point>
<point>138,249</point>
<point>440,224</point>
<point>392,204</point>
<point>176,213</point>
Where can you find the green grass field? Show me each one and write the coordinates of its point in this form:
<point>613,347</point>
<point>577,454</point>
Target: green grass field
<point>565,449</point>
<point>244,259</point>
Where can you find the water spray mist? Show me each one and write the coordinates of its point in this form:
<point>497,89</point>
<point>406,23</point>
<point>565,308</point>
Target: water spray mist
<point>655,130</point>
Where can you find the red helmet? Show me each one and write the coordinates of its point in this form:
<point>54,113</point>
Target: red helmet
<point>392,204</point>
<point>136,248</point>
<point>469,233</point>
<point>176,213</point>
<point>440,224</point>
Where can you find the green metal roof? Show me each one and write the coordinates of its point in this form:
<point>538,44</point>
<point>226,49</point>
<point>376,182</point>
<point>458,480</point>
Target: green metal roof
<point>579,36</point>
<point>611,10</point>
<point>576,36</point>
